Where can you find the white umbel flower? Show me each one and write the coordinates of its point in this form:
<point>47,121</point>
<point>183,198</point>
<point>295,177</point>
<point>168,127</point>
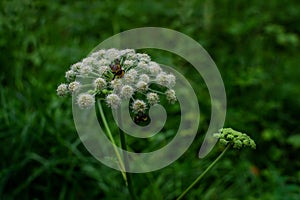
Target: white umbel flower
<point>85,70</point>
<point>73,86</point>
<point>102,69</point>
<point>132,72</point>
<point>143,57</point>
<point>112,54</point>
<point>145,78</point>
<point>171,97</point>
<point>154,68</point>
<point>116,75</point>
<point>139,106</point>
<point>127,51</point>
<point>131,55</point>
<point>116,84</point>
<point>171,80</point>
<point>129,78</point>
<point>113,101</point>
<point>142,86</point>
<point>142,65</point>
<point>128,63</point>
<point>98,54</point>
<point>167,80</point>
<point>103,62</point>
<point>62,90</point>
<point>99,83</point>
<point>85,100</point>
<point>162,79</point>
<point>89,61</point>
<point>127,91</point>
<point>152,98</point>
<point>76,67</point>
<point>70,75</point>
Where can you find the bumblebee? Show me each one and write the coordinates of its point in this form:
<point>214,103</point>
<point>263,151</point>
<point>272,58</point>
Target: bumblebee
<point>117,69</point>
<point>141,117</point>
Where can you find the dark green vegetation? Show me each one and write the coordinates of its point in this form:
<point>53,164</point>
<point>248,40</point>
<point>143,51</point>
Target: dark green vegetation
<point>255,44</point>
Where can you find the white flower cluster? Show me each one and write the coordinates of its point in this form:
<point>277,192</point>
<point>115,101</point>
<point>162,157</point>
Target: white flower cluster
<point>116,75</point>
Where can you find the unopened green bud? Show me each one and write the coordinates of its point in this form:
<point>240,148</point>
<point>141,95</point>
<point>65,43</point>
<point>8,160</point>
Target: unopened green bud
<point>236,139</point>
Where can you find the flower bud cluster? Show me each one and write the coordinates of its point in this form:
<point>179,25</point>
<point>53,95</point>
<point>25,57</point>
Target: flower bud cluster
<point>116,75</point>
<point>238,140</point>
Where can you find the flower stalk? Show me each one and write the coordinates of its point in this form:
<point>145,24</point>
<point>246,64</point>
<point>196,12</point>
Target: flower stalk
<point>103,119</point>
<point>126,164</point>
<point>229,138</point>
<point>203,173</point>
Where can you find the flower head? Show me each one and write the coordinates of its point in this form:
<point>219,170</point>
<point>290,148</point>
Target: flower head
<point>113,75</point>
<point>112,54</point>
<point>138,106</point>
<point>145,78</point>
<point>154,68</point>
<point>171,80</point>
<point>85,69</point>
<point>162,79</point>
<point>116,85</point>
<point>73,86</point>
<point>237,139</point>
<point>70,75</point>
<point>99,83</point>
<point>171,97</point>
<point>132,72</point>
<point>62,90</point>
<point>130,76</point>
<point>103,69</point>
<point>142,86</point>
<point>143,57</point>
<point>167,80</point>
<point>113,101</point>
<point>76,67</point>
<point>152,98</point>
<point>85,100</point>
<point>128,62</point>
<point>142,65</point>
<point>127,91</point>
<point>103,62</point>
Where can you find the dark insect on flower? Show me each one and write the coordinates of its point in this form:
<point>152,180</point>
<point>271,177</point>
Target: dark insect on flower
<point>141,117</point>
<point>117,69</point>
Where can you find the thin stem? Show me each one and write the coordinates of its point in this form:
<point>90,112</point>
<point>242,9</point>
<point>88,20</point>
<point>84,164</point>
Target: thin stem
<point>158,92</point>
<point>99,106</point>
<point>203,173</point>
<point>125,156</point>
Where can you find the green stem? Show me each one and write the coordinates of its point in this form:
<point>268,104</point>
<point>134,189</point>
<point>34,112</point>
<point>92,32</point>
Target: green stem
<point>203,173</point>
<point>125,156</point>
<point>99,106</point>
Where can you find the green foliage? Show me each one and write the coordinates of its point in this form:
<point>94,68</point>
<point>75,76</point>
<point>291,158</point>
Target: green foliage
<point>255,45</point>
<point>294,140</point>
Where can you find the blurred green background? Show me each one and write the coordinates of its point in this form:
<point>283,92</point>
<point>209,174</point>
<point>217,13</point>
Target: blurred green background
<point>255,44</point>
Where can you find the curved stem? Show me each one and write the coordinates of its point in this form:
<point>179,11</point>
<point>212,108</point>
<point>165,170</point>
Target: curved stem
<point>203,173</point>
<point>99,106</point>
